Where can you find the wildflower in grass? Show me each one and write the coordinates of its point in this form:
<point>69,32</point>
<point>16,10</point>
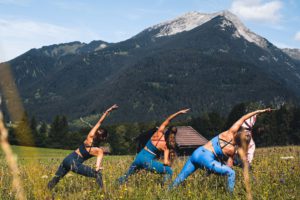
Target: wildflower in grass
<point>282,180</point>
<point>44,177</point>
<point>69,175</point>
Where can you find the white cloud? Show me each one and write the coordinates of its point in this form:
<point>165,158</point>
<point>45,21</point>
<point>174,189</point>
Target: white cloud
<point>257,10</point>
<point>297,36</point>
<point>18,36</point>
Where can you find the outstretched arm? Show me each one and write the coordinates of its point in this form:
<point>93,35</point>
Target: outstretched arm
<point>235,127</point>
<point>98,124</point>
<point>162,127</point>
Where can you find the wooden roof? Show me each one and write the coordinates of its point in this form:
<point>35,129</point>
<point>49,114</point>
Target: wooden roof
<point>187,137</point>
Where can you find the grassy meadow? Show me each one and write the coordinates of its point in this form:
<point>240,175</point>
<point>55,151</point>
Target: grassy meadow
<point>272,177</point>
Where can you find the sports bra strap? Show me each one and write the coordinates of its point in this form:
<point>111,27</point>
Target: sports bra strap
<point>158,139</point>
<point>226,143</point>
<point>85,154</point>
<point>90,146</point>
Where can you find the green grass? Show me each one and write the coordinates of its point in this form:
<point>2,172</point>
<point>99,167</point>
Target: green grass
<point>271,178</point>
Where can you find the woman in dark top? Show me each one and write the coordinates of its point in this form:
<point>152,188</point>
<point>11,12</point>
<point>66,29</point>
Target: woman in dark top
<point>89,148</point>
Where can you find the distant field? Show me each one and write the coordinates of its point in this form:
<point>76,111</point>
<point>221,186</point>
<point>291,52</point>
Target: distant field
<point>272,178</point>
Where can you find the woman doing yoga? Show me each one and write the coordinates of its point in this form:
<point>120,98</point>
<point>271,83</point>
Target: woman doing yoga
<point>89,148</point>
<point>159,142</point>
<point>223,147</point>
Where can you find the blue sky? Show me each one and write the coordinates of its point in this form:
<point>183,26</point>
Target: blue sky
<point>26,24</point>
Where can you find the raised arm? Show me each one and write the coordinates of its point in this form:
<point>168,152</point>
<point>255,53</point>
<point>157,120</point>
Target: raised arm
<point>162,127</point>
<point>235,127</point>
<point>98,124</point>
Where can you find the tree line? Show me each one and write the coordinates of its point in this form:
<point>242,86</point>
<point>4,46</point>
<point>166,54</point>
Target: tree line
<point>280,127</point>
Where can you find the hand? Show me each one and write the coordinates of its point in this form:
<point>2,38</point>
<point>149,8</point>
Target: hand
<point>267,110</point>
<point>184,111</point>
<point>99,168</point>
<point>115,106</point>
<point>168,163</point>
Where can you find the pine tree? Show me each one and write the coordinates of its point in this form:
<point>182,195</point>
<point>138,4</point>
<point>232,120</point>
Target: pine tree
<point>58,131</point>
<point>295,125</point>
<point>42,135</point>
<point>33,129</point>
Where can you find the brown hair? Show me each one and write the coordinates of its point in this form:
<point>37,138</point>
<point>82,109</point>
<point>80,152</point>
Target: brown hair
<point>243,137</point>
<point>170,137</point>
<point>101,135</point>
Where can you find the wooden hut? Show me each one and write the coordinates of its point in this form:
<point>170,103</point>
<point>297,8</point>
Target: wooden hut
<point>188,139</point>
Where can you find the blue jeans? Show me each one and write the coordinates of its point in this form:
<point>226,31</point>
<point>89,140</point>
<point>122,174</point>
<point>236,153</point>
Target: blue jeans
<point>146,160</point>
<point>73,162</point>
<point>205,159</point>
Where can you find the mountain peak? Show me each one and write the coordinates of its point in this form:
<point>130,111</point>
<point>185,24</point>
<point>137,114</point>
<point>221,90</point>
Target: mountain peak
<point>182,23</point>
<point>242,30</point>
<point>193,19</point>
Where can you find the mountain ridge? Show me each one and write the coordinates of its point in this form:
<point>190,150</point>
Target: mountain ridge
<point>209,67</point>
<point>293,53</point>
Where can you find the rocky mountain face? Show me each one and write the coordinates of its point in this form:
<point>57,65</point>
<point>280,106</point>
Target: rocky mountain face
<point>293,53</point>
<point>202,61</point>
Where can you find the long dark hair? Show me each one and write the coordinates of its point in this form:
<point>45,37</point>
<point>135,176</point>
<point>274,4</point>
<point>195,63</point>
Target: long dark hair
<point>100,135</point>
<point>171,143</point>
<point>170,137</point>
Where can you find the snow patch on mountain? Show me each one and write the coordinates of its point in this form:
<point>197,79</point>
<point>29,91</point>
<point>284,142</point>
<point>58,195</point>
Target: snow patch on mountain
<point>101,46</point>
<point>194,19</point>
<point>263,58</point>
<point>225,23</point>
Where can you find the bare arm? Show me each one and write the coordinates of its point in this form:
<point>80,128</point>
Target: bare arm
<point>235,127</point>
<point>230,162</point>
<point>162,127</point>
<point>99,160</point>
<point>166,157</point>
<point>98,124</point>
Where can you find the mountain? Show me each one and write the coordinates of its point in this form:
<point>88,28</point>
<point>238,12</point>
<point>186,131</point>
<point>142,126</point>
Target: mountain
<point>293,53</point>
<point>192,20</point>
<point>202,61</point>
